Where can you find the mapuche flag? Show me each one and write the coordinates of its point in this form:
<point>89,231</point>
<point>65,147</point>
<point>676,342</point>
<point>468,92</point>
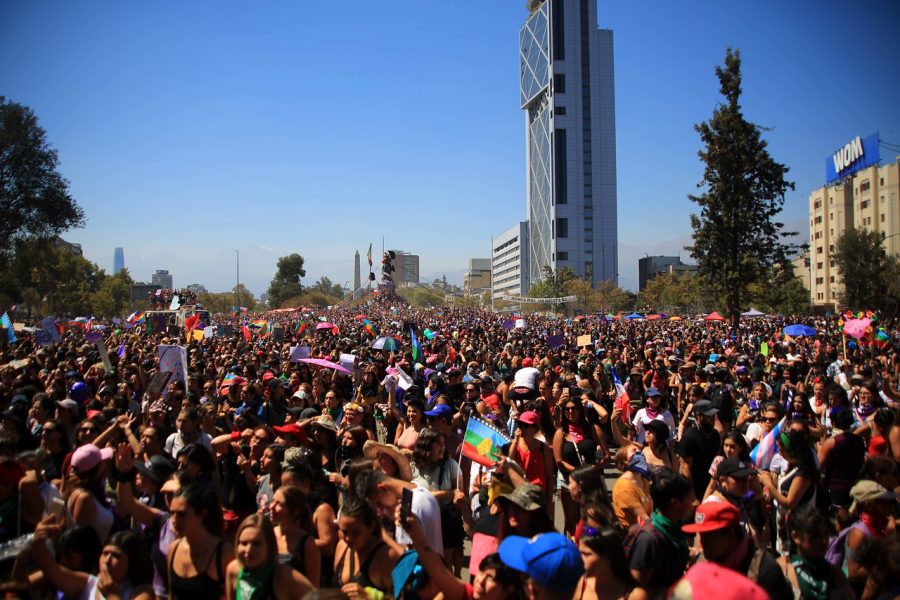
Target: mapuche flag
<point>483,442</point>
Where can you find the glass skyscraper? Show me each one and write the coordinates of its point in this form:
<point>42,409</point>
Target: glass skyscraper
<point>568,95</point>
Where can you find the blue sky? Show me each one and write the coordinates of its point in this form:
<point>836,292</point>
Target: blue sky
<point>191,129</point>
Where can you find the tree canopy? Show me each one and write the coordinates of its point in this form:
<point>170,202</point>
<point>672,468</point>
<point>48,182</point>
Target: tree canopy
<point>34,197</point>
<point>736,240</point>
<point>863,264</point>
<point>286,283</point>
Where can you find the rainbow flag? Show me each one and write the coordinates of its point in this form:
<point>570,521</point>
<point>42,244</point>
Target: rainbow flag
<point>136,318</point>
<point>482,442</point>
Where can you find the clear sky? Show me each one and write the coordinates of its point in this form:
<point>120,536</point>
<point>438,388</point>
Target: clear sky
<point>191,129</point>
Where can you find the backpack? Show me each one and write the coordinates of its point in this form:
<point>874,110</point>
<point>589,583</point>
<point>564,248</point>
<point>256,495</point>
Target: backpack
<point>837,546</point>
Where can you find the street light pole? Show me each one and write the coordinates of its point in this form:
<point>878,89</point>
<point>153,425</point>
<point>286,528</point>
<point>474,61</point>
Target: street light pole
<point>237,288</point>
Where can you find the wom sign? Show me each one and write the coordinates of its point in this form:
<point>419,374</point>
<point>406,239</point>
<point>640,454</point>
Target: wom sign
<point>856,154</point>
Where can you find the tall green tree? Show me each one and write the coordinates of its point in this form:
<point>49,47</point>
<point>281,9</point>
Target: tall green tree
<point>327,287</point>
<point>553,285</point>
<point>286,283</point>
<point>735,237</point>
<point>113,297</point>
<point>863,264</point>
<point>34,197</point>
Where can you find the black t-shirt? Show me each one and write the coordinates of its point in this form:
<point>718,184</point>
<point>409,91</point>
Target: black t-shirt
<point>701,445</point>
<point>770,576</point>
<point>654,553</point>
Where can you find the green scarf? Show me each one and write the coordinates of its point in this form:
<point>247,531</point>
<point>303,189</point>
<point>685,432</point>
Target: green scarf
<point>672,532</point>
<point>255,584</point>
<point>813,577</point>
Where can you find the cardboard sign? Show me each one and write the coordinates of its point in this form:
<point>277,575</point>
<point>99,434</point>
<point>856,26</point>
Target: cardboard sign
<point>520,323</point>
<point>158,382</point>
<point>104,355</point>
<point>348,361</point>
<point>584,340</point>
<point>174,359</point>
<point>209,332</point>
<point>48,325</point>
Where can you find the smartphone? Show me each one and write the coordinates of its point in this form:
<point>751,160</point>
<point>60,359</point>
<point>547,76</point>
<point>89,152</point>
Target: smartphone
<point>406,503</point>
<point>245,450</point>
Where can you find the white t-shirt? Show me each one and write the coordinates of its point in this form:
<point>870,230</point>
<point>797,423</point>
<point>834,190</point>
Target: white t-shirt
<point>641,419</point>
<point>425,508</point>
<point>526,377</point>
<point>175,443</point>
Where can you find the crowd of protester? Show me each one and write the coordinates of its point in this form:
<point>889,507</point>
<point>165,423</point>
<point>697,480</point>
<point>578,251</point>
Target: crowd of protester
<point>628,472</point>
<point>161,299</point>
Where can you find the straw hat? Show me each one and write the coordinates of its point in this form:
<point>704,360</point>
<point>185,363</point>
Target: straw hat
<point>372,449</point>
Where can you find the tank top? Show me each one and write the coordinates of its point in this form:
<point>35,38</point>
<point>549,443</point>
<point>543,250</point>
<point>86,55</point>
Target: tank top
<point>845,462</point>
<point>362,577</point>
<point>532,462</point>
<point>200,586</point>
<point>292,559</point>
<point>103,518</point>
<point>91,591</point>
<point>585,453</point>
<point>407,439</point>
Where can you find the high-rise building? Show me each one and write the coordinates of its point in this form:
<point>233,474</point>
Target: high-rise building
<point>163,279</point>
<point>568,95</point>
<point>406,267</point>
<point>868,199</point>
<point>509,262</point>
<point>118,260</point>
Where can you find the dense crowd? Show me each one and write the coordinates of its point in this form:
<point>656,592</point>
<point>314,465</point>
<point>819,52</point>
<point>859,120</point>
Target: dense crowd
<point>161,299</point>
<point>663,458</point>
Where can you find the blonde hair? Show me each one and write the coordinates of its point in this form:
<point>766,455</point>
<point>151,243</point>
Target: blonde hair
<point>262,523</point>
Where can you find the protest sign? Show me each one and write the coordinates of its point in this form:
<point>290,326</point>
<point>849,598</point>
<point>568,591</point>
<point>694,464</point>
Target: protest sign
<point>48,325</point>
<point>348,361</point>
<point>209,332</point>
<point>298,352</point>
<point>555,341</point>
<point>104,355</point>
<point>584,340</point>
<point>278,334</point>
<point>158,383</point>
<point>520,323</point>
<point>173,359</point>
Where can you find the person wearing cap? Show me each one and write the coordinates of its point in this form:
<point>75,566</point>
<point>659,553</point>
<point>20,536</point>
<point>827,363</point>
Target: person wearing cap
<point>699,446</point>
<point>874,504</point>
<point>150,477</point>
<point>535,457</point>
<point>550,562</point>
<point>631,491</point>
<point>709,580</point>
<point>441,418</point>
<point>656,407</point>
<point>87,503</point>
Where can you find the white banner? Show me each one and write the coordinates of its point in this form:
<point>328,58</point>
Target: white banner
<point>523,300</point>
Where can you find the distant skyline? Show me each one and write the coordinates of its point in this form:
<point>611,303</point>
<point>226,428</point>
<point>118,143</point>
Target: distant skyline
<point>188,131</point>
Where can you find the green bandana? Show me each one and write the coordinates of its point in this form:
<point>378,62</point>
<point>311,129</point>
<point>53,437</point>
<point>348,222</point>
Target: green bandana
<point>255,584</point>
<point>672,532</point>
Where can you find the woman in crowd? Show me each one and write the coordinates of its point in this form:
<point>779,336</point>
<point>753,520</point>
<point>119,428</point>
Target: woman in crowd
<point>733,444</point>
<point>362,558</point>
<point>197,560</point>
<point>606,572</point>
<point>256,572</point>
<point>443,477</point>
<point>535,457</point>
<point>795,487</point>
<point>810,575</point>
<point>841,457</point>
<point>124,571</point>
<point>410,426</point>
<point>576,442</point>
<point>631,492</point>
<point>87,502</point>
<point>296,546</point>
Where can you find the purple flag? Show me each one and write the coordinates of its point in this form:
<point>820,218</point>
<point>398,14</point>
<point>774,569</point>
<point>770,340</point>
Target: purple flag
<point>93,336</point>
<point>555,341</point>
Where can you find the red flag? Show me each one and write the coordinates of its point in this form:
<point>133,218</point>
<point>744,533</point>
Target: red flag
<point>335,330</point>
<point>191,322</point>
<point>246,331</point>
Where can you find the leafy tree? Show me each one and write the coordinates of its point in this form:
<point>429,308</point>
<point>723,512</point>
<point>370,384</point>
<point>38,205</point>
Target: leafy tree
<point>325,286</point>
<point>286,283</point>
<point>612,298</point>
<point>863,264</point>
<point>553,285</point>
<point>780,292</point>
<point>34,196</point>
<point>224,302</point>
<point>735,240</point>
<point>114,295</point>
<point>673,293</point>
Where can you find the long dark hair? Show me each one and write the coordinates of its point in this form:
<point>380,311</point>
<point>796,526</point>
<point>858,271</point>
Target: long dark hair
<point>608,542</point>
<point>203,500</point>
<point>132,544</point>
<point>422,451</point>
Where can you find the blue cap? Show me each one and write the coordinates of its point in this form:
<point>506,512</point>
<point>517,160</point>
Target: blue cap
<point>550,559</point>
<point>408,569</point>
<point>440,410</point>
<point>713,358</point>
<point>653,392</point>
